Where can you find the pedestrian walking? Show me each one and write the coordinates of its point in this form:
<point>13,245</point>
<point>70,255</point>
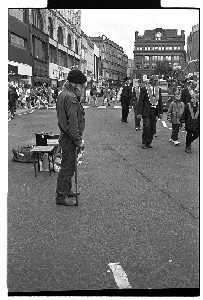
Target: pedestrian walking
<point>191,118</point>
<point>71,122</point>
<point>125,95</point>
<point>188,91</point>
<point>12,97</point>
<point>150,108</point>
<point>134,100</point>
<point>174,113</point>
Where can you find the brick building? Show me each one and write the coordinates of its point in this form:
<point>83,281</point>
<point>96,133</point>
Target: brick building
<point>158,45</point>
<point>114,61</point>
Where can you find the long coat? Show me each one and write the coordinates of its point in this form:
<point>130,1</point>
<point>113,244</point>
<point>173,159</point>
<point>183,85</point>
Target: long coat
<point>126,95</point>
<point>144,105</point>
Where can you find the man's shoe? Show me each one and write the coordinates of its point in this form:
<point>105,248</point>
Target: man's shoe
<point>72,194</point>
<point>122,120</point>
<point>140,128</point>
<point>176,143</point>
<point>188,149</point>
<point>156,135</point>
<point>136,128</point>
<point>144,146</point>
<point>171,140</point>
<point>66,202</point>
<point>149,146</point>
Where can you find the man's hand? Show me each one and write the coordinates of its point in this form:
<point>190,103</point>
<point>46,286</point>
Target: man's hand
<point>82,145</point>
<point>160,116</point>
<point>139,116</point>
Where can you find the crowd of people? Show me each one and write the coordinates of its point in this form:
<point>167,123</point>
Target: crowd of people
<point>26,96</point>
<point>146,100</point>
<point>94,95</point>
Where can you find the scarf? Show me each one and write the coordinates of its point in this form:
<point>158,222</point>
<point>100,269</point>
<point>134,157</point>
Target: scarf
<point>153,99</point>
<point>193,115</point>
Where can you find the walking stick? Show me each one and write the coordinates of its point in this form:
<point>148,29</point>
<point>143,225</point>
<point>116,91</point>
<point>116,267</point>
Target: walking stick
<point>76,175</point>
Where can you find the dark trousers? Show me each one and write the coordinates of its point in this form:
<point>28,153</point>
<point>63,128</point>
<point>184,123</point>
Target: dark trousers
<point>175,130</point>
<point>137,121</point>
<point>64,180</point>
<point>149,127</point>
<point>191,136</point>
<point>125,111</point>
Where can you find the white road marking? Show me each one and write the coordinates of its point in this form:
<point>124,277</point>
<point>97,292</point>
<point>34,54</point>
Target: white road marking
<point>117,106</point>
<point>120,276</point>
<point>101,107</point>
<point>85,106</point>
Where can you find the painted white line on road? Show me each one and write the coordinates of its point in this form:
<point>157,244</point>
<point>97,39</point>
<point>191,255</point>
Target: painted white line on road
<point>85,106</point>
<point>120,276</point>
<point>164,124</point>
<point>116,106</point>
<point>101,107</point>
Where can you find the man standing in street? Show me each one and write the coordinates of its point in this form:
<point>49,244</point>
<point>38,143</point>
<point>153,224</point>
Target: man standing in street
<point>71,122</point>
<point>125,98</point>
<point>187,92</point>
<point>150,108</point>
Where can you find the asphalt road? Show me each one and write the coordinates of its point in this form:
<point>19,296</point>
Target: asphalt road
<point>137,223</point>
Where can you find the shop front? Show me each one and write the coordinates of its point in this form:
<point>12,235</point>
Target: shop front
<point>19,74</point>
<point>57,74</point>
<point>40,73</point>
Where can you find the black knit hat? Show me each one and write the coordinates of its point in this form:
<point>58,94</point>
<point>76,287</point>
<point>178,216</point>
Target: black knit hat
<point>76,76</point>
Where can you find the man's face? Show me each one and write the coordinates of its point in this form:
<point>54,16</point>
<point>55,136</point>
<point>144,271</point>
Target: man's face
<point>80,89</point>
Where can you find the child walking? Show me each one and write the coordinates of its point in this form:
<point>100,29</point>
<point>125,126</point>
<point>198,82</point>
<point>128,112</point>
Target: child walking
<point>191,119</point>
<point>174,113</point>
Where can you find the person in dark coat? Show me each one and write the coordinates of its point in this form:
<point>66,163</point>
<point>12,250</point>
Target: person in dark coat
<point>134,100</point>
<point>150,108</point>
<point>191,118</point>
<point>71,122</point>
<point>125,98</point>
<point>12,97</point>
<point>188,91</point>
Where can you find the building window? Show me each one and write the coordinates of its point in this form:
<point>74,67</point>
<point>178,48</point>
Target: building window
<point>168,57</point>
<point>52,54</point>
<point>62,58</point>
<point>153,66</point>
<point>146,66</point>
<point>37,19</point>
<point>18,13</point>
<point>138,66</point>
<point>175,48</point>
<point>69,41</point>
<point>50,28</point>
<point>163,48</point>
<point>146,58</point>
<point>76,47</point>
<point>60,35</point>
<point>40,49</point>
<point>19,41</point>
<point>160,48</point>
<point>176,57</point>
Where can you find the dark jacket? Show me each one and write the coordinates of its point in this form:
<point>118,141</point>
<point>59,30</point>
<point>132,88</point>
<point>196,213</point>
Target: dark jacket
<point>71,116</point>
<point>185,96</point>
<point>126,95</point>
<point>190,123</point>
<point>144,105</point>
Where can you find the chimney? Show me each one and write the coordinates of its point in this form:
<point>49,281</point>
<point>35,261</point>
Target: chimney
<point>136,35</point>
<point>182,33</point>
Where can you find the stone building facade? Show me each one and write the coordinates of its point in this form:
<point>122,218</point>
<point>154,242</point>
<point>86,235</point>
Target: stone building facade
<point>192,57</point>
<point>158,45</point>
<point>114,61</point>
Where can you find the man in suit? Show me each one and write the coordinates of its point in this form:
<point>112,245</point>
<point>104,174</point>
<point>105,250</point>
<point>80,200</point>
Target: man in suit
<point>188,91</point>
<point>150,108</point>
<point>125,96</point>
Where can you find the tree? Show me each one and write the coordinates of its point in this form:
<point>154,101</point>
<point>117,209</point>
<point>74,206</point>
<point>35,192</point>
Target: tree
<point>163,68</point>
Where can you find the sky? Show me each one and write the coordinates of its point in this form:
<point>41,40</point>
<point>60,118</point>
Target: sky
<point>119,25</point>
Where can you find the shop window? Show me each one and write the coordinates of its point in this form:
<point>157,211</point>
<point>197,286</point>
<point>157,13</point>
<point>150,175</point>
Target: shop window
<point>19,41</point>
<point>60,35</point>
<point>40,49</point>
<point>146,58</point>
<point>37,19</point>
<point>50,28</point>
<point>19,13</point>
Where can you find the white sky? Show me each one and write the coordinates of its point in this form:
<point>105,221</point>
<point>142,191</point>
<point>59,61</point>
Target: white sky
<point>119,25</point>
